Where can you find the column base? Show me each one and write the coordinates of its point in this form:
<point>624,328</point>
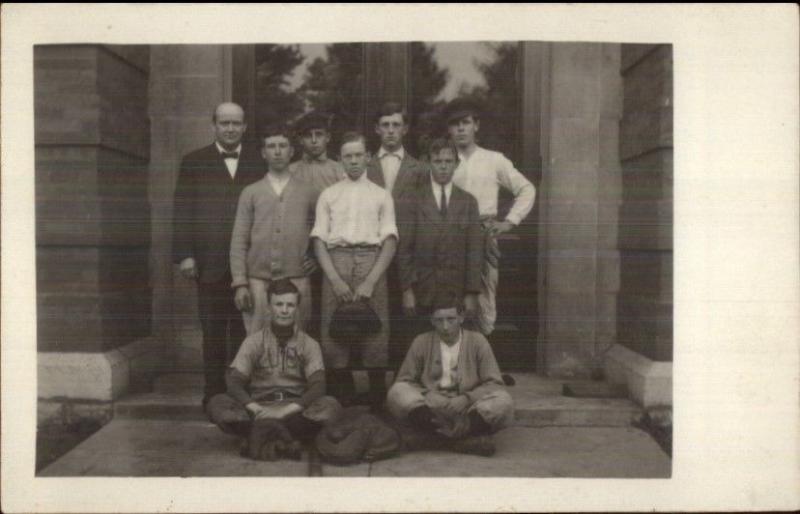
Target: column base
<point>74,385</point>
<point>649,382</point>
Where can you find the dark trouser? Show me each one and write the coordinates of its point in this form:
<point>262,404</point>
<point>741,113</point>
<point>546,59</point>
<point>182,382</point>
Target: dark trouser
<point>398,322</point>
<point>223,332</point>
<point>312,325</point>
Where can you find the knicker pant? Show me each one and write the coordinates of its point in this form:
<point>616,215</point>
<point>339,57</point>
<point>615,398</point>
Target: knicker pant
<point>232,418</point>
<point>353,265</point>
<point>496,407</point>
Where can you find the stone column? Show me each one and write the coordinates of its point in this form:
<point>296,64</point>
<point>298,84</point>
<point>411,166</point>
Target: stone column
<point>578,202</point>
<point>645,301</point>
<point>92,138</point>
<point>186,83</point>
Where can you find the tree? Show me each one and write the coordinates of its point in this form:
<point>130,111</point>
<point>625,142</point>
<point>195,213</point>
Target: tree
<point>335,85</point>
<point>274,65</point>
<point>427,81</point>
<point>499,97</point>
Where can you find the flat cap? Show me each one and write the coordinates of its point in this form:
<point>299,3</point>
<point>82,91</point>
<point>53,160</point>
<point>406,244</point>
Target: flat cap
<point>352,322</point>
<point>461,107</point>
<point>312,120</point>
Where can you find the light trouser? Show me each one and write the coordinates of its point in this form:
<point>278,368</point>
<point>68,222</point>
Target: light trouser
<point>490,275</point>
<point>496,407</point>
<point>353,264</point>
<point>487,308</point>
<point>259,316</point>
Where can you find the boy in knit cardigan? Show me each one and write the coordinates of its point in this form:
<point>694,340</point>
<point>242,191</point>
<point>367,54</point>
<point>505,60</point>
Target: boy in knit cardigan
<point>270,239</point>
<point>450,386</point>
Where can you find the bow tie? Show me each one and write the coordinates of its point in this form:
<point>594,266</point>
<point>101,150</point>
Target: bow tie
<point>230,155</point>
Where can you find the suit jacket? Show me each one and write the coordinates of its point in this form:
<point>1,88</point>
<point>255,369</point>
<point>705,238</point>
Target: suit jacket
<point>411,174</point>
<point>438,253</point>
<point>205,207</point>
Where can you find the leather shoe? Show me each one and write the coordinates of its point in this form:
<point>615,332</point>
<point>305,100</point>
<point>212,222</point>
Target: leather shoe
<point>477,445</point>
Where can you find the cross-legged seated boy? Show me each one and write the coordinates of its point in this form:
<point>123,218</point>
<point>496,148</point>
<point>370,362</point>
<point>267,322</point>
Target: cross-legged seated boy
<point>449,385</point>
<point>276,379</point>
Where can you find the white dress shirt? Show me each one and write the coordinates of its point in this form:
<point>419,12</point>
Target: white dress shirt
<point>355,212</point>
<point>437,193</point>
<point>390,164</point>
<point>231,163</point>
<point>484,172</point>
<point>449,363</point>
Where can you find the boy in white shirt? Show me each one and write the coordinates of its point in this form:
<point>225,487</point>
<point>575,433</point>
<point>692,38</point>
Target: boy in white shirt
<point>482,173</point>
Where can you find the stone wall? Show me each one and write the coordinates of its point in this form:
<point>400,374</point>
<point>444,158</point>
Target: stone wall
<point>92,138</point>
<point>644,313</point>
<point>578,203</point>
<point>187,82</point>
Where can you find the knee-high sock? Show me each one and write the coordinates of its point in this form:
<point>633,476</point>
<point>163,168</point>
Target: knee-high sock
<point>302,428</point>
<point>377,386</point>
<point>340,383</point>
<point>478,425</point>
<point>421,418</point>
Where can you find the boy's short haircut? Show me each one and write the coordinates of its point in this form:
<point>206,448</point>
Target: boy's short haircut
<point>282,286</point>
<point>390,108</point>
<point>276,129</point>
<point>352,137</point>
<point>448,299</point>
<point>439,144</point>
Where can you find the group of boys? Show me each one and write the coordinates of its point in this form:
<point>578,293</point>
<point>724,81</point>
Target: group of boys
<point>391,234</point>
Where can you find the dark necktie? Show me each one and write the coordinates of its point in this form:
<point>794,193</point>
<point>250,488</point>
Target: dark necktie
<point>443,204</point>
<point>230,155</point>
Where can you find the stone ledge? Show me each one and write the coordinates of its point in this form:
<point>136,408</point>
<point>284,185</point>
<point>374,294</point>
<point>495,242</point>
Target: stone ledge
<point>538,403</point>
<point>68,413</point>
<point>649,382</point>
<point>100,377</point>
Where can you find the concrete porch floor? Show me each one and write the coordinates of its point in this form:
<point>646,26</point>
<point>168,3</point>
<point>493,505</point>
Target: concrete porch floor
<point>164,433</point>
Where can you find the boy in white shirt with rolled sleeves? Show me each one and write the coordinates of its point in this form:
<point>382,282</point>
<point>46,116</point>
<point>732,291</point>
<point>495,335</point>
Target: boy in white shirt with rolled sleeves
<point>482,173</point>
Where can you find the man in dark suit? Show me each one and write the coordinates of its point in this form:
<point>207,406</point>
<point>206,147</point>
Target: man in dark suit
<point>441,243</point>
<point>206,196</point>
<point>401,174</point>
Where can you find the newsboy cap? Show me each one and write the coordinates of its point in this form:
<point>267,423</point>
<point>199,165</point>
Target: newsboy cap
<point>312,120</point>
<point>354,322</point>
<point>461,107</point>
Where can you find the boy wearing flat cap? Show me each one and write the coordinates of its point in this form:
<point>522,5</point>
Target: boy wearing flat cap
<point>314,166</point>
<point>482,173</point>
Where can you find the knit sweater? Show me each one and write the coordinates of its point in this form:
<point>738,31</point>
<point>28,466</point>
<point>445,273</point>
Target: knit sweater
<point>477,372</point>
<point>270,234</point>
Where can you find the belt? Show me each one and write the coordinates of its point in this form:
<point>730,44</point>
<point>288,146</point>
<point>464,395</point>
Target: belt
<point>277,396</point>
<point>356,247</point>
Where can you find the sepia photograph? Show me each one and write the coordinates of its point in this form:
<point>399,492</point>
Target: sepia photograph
<point>379,256</point>
<point>501,209</point>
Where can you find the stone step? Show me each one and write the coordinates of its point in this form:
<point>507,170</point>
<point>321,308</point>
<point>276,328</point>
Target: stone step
<point>538,400</point>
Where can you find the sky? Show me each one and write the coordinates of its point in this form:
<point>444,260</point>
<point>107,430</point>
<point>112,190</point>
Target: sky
<point>456,56</point>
